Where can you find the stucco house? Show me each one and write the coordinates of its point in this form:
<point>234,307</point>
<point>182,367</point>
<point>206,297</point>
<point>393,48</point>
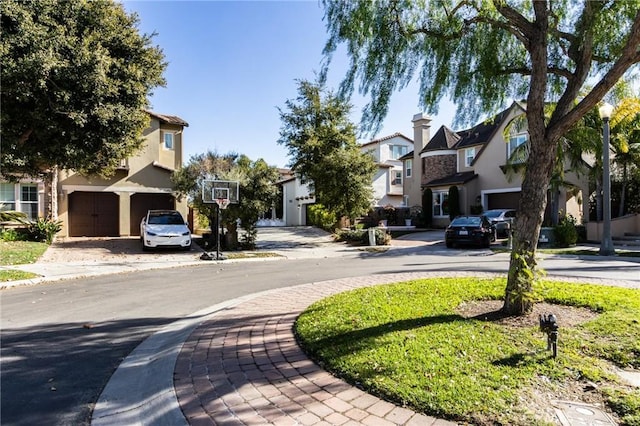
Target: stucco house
<point>389,178</point>
<point>97,207</point>
<point>296,197</point>
<point>475,161</point>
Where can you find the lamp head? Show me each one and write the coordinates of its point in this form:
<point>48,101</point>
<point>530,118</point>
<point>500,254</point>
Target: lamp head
<point>605,111</point>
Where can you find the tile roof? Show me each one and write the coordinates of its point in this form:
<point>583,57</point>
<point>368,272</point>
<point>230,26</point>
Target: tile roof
<point>445,138</point>
<point>384,138</point>
<point>168,119</point>
<point>454,179</point>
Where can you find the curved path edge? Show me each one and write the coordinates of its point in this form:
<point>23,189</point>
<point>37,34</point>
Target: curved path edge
<point>238,362</point>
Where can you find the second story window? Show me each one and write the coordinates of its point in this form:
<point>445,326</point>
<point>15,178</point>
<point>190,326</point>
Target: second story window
<point>168,141</point>
<point>408,167</point>
<point>516,141</point>
<point>469,155</point>
<point>396,177</point>
<point>397,151</point>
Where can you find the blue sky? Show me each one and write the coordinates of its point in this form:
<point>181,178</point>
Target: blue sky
<point>233,63</point>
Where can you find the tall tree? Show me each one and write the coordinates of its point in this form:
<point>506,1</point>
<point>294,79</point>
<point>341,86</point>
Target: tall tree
<point>257,186</point>
<point>482,54</point>
<point>321,141</point>
<point>76,76</point>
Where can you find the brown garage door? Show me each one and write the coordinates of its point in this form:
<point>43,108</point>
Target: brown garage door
<point>140,203</point>
<point>93,214</point>
<point>505,200</point>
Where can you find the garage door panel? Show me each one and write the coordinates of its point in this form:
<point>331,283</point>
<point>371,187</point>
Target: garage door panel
<point>93,214</point>
<point>504,200</point>
<point>140,203</point>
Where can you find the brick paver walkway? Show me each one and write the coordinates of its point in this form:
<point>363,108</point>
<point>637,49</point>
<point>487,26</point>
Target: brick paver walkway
<point>244,367</point>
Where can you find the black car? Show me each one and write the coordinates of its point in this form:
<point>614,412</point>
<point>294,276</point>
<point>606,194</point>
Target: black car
<point>470,230</point>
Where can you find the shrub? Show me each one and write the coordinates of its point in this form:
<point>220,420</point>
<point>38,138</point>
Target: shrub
<point>427,206</point>
<point>361,236</point>
<point>13,234</point>
<point>44,230</point>
<point>565,233</point>
<point>321,217</point>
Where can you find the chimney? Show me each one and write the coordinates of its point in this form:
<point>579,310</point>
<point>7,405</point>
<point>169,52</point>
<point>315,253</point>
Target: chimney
<point>421,137</point>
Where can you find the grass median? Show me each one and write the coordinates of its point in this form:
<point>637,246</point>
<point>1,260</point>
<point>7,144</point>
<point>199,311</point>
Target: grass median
<point>440,347</point>
<point>19,253</point>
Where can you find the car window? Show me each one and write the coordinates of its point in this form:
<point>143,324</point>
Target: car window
<point>510,214</point>
<point>166,219</point>
<point>492,213</point>
<point>466,221</point>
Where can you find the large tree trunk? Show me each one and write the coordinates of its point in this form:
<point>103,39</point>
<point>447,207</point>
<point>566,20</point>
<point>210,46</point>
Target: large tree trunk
<point>533,200</point>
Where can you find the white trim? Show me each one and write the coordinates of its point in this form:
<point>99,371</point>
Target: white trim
<point>438,153</point>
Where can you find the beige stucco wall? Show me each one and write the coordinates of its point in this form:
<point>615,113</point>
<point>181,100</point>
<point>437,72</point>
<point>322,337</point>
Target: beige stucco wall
<point>149,171</point>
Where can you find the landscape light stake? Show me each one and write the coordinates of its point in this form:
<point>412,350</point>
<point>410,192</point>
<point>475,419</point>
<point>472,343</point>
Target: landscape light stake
<point>549,325</point>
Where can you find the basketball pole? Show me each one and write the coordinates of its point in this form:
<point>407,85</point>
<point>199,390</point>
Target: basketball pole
<point>217,231</point>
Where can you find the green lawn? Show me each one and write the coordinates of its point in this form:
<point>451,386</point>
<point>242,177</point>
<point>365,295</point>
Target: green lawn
<point>19,253</point>
<point>408,343</point>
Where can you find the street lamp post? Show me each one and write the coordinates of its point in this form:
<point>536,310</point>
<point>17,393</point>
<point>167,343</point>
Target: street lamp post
<point>606,245</point>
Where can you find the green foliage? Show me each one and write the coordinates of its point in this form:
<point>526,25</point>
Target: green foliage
<point>15,275</point>
<point>484,54</point>
<point>12,234</point>
<point>12,216</point>
<point>76,76</point>
<point>44,229</point>
<point>257,189</point>
<point>454,202</point>
<point>321,217</point>
<point>427,206</point>
<point>321,143</point>
<point>409,343</point>
<point>361,236</point>
<point>565,232</point>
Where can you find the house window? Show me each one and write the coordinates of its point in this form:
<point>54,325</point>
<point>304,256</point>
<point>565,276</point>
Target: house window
<point>29,201</point>
<point>397,151</point>
<point>440,204</point>
<point>469,155</point>
<point>396,176</point>
<point>7,196</point>
<point>514,142</point>
<point>168,141</point>
<point>408,168</point>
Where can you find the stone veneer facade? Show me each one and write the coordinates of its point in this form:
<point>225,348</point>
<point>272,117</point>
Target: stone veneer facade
<point>438,166</point>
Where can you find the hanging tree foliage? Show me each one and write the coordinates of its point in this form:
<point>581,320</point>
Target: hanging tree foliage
<point>483,54</point>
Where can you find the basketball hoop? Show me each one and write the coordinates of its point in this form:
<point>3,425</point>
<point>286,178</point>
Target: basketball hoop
<point>222,203</point>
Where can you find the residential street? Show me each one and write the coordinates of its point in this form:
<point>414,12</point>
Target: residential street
<point>61,341</point>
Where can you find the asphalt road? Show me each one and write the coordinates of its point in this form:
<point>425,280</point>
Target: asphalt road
<point>62,341</point>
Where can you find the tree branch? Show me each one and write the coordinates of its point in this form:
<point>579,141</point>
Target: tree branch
<point>630,55</point>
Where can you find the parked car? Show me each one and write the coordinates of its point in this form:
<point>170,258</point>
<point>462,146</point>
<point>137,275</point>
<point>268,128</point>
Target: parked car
<point>470,230</point>
<point>166,229</point>
<point>502,220</point>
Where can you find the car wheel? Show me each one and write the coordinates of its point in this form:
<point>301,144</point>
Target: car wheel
<point>187,248</point>
<point>449,244</point>
<point>144,247</point>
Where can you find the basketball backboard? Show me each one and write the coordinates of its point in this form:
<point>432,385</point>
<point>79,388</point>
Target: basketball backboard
<point>213,190</point>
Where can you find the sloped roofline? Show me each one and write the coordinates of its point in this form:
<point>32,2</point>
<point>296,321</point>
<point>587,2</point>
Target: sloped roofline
<point>384,138</point>
<point>168,119</point>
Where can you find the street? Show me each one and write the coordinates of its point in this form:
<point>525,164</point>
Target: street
<point>62,341</point>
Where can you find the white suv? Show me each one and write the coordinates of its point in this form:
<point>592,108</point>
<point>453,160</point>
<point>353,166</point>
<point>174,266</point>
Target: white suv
<point>164,228</point>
